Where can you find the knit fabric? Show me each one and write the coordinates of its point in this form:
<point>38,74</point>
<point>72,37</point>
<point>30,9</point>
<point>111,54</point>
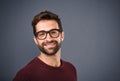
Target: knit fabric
<point>36,70</point>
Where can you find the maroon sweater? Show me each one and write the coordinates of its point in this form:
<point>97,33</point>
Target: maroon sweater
<point>37,70</point>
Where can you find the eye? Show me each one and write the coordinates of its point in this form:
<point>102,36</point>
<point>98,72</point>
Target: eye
<point>54,32</point>
<point>41,34</point>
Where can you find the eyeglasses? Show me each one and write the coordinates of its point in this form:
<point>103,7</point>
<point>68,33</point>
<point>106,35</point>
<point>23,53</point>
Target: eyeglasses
<point>54,33</point>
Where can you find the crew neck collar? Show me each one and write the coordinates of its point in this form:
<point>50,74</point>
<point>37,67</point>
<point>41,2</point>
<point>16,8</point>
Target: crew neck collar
<point>50,67</point>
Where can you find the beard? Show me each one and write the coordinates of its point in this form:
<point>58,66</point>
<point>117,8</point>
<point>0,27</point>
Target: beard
<point>50,48</point>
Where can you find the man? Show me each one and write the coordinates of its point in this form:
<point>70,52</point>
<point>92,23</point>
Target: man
<point>48,66</point>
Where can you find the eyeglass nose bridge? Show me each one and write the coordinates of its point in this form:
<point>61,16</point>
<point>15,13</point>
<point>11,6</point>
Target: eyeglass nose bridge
<point>48,32</point>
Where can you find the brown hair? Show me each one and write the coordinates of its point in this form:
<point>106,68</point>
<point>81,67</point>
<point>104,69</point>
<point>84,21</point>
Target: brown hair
<point>46,15</point>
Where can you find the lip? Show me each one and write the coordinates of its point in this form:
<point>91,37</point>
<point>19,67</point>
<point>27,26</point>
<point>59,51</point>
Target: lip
<point>50,45</point>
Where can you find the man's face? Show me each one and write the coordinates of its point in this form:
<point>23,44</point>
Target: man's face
<point>49,45</point>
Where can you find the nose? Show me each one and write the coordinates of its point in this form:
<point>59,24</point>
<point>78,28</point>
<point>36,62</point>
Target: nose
<point>48,37</point>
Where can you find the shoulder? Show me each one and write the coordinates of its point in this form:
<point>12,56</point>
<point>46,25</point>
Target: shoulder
<point>31,65</point>
<point>24,73</point>
<point>68,65</point>
<point>70,68</point>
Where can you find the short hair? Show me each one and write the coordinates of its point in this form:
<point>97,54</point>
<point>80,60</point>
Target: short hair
<point>46,15</point>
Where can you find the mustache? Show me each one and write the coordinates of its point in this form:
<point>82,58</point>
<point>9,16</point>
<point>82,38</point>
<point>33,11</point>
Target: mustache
<point>49,42</point>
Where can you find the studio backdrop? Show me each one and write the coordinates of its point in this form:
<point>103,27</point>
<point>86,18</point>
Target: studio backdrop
<point>92,36</point>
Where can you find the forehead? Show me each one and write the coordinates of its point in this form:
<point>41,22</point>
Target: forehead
<point>46,25</point>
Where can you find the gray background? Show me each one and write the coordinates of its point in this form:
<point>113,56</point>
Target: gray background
<point>92,41</point>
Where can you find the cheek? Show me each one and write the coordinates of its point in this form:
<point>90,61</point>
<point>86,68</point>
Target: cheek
<point>59,40</point>
<point>39,43</point>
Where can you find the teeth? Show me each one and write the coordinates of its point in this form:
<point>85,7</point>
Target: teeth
<point>50,44</point>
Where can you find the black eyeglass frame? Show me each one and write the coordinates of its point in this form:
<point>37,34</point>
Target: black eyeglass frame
<point>36,34</point>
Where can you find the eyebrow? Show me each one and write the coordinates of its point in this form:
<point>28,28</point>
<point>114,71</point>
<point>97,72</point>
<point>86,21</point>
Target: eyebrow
<point>49,30</point>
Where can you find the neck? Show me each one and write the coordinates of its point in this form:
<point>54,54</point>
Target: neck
<point>53,60</point>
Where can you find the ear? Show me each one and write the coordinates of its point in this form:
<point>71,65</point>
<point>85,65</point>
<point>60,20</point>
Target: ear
<point>62,36</point>
<point>35,40</point>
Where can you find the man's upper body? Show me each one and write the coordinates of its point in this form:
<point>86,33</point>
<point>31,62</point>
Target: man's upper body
<point>48,66</point>
<point>37,70</point>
